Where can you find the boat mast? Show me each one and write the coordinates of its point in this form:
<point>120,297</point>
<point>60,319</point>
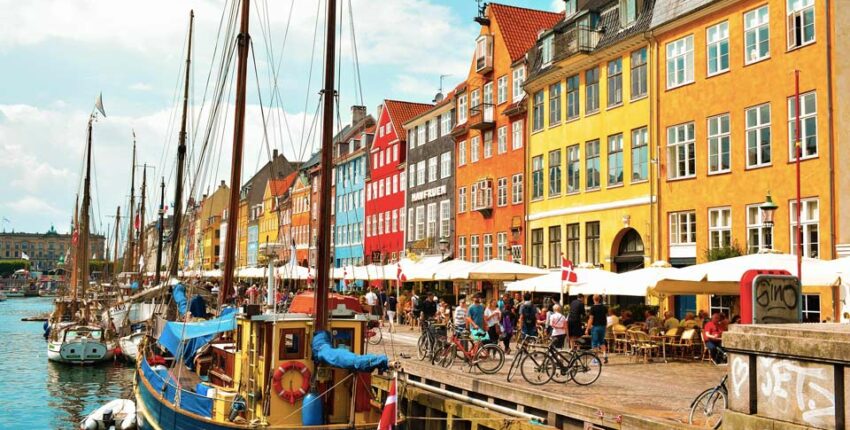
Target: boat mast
<point>141,244</point>
<point>73,254</point>
<point>83,241</point>
<point>323,246</point>
<point>243,41</point>
<point>115,248</point>
<point>128,259</point>
<point>161,229</point>
<point>181,161</point>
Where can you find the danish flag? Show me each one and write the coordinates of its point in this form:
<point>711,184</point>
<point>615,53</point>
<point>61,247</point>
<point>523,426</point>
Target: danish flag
<point>567,273</point>
<point>388,415</point>
<point>399,274</point>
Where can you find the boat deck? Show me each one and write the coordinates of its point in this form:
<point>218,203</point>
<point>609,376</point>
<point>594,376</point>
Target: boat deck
<point>638,395</point>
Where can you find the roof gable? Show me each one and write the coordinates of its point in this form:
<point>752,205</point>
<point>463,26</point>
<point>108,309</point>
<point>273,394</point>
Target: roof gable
<point>520,26</point>
<point>400,112</point>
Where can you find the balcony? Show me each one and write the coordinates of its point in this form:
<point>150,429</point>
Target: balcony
<point>484,54</point>
<point>482,197</point>
<point>482,117</point>
<point>579,39</point>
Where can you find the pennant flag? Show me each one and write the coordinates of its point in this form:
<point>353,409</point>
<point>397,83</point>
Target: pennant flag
<point>388,415</point>
<point>74,237</point>
<point>400,274</point>
<point>138,222</point>
<point>98,104</point>
<point>567,273</point>
<point>25,256</point>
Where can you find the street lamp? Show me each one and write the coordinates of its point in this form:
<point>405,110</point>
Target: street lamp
<point>444,246</point>
<point>768,209</point>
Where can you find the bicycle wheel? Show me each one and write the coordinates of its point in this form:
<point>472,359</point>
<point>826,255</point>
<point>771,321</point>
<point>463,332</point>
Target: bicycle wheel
<point>374,335</point>
<point>489,359</point>
<point>707,410</point>
<point>447,355</point>
<point>423,346</point>
<point>560,369</point>
<point>534,370</point>
<point>515,364</point>
<point>585,368</point>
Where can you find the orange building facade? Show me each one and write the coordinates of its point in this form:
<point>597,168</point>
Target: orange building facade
<point>300,199</point>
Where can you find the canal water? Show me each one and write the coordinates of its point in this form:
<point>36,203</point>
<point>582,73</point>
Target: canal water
<point>37,394</point>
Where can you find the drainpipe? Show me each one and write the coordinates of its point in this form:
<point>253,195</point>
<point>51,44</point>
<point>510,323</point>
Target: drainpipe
<point>655,126</point>
<point>830,109</point>
<point>476,402</point>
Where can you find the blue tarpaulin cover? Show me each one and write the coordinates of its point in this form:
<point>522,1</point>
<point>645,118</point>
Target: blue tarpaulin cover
<point>198,307</point>
<point>194,335</point>
<point>324,352</point>
<point>179,294</point>
<point>164,385</point>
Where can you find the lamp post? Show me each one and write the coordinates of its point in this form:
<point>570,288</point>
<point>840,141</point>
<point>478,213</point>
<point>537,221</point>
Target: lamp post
<point>444,246</point>
<point>768,210</point>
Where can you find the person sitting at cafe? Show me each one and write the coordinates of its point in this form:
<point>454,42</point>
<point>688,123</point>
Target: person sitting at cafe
<point>612,319</point>
<point>670,321</point>
<point>689,322</point>
<point>626,318</point>
<point>712,334</point>
<point>652,322</point>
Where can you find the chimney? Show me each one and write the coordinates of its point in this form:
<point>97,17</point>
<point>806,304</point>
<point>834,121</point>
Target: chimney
<point>222,183</point>
<point>357,113</point>
<point>274,154</point>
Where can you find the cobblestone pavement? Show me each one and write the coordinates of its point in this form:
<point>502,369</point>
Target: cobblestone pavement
<point>656,389</point>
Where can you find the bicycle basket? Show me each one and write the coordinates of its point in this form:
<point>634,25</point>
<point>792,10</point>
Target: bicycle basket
<point>478,334</point>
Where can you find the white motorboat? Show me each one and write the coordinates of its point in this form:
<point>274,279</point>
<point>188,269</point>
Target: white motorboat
<point>79,344</point>
<point>118,414</point>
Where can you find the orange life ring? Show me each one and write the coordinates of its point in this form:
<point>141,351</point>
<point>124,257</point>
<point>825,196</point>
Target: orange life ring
<point>291,395</point>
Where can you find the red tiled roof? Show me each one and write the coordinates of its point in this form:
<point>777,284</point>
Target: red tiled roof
<point>520,26</point>
<point>279,187</point>
<point>400,112</point>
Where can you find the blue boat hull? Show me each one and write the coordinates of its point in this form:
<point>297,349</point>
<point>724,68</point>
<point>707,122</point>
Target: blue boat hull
<point>156,413</point>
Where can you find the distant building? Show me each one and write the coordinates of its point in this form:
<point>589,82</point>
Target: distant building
<point>44,250</point>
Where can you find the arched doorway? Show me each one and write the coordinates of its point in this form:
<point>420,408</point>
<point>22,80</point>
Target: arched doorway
<point>629,253</point>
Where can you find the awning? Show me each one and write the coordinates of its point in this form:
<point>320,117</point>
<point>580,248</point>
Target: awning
<point>497,270</point>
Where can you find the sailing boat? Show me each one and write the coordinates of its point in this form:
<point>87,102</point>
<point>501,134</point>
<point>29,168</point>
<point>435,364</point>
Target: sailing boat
<point>247,369</point>
<point>74,333</point>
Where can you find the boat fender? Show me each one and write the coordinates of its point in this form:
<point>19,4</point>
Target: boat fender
<point>292,395</point>
<point>236,407</point>
<point>89,424</point>
<point>129,422</point>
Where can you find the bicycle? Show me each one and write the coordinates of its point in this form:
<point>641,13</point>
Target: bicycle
<point>708,407</point>
<point>429,339</point>
<point>540,367</point>
<point>487,357</point>
<point>523,347</point>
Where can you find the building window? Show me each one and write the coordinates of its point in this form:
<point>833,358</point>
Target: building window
<point>615,82</point>
<point>502,245</point>
<point>474,100</point>
<point>573,169</point>
<point>488,247</point>
<point>680,62</point>
<point>640,155</point>
<point>569,7</point>
<point>445,165</point>
<point>502,138</point>
<point>809,126</point>
<point>432,169</point>
<point>412,176</point>
<point>502,90</point>
<point>420,222</point>
<point>720,304</point>
<point>537,247</point>
<point>411,138</point>
<point>591,89</point>
<point>756,35</point>
<point>758,136</point>
<point>680,151</point>
<point>445,124</point>
<point>683,228</point>
<point>516,189</point>
<point>461,200</point>
<point>537,177</point>
<point>591,164</point>
<point>488,96</point>
<point>432,129</point>
<point>461,153</point>
<point>718,48</point>
<point>516,134</point>
<point>615,159</point>
<point>474,249</point>
<point>474,147</point>
<point>801,23</point>
<point>554,104</point>
<point>638,73</point>
<point>420,173</point>
<point>380,223</point>
<point>719,227</point>
<point>461,109</point>
<point>554,246</point>
<point>572,97</point>
<point>518,80</point>
<point>758,236</point>
<point>811,308</point>
<point>719,144</point>
<point>546,50</point>
<point>810,216</point>
<point>488,144</point>
<point>554,173</point>
<point>431,227</point>
<point>591,237</point>
<point>573,246</point>
<point>628,12</point>
<point>502,192</point>
<point>395,220</point>
<point>537,116</point>
<point>461,247</point>
<point>421,134</point>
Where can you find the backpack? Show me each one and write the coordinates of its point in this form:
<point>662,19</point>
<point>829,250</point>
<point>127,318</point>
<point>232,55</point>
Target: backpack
<point>529,314</point>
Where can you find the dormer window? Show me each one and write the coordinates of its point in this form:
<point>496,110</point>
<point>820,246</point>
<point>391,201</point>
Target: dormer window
<point>546,48</point>
<point>628,12</point>
<point>484,53</point>
<point>569,7</point>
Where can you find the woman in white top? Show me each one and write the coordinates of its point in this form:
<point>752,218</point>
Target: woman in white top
<point>492,318</point>
<point>558,322</point>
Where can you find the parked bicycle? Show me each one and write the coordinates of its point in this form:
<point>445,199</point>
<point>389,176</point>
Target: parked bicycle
<point>474,350</point>
<point>707,409</point>
<point>432,338</point>
<point>523,348</point>
<point>552,364</point>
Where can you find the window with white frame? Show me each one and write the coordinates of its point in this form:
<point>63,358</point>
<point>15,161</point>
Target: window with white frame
<point>572,97</point>
<point>488,247</point>
<point>395,184</point>
<point>420,222</point>
<point>412,176</point>
<point>432,169</point>
<point>420,173</point>
<point>445,218</point>
<point>615,159</point>
<point>474,147</point>
<point>640,154</point>
<point>717,49</point>
<point>680,62</point>
<point>411,138</point>
<point>756,35</point>
<point>801,23</point>
<point>719,227</point>
<point>369,231</point>
<point>461,247</point>
<point>810,215</point>
<point>445,124</point>
<point>502,245</point>
<point>461,153</point>
<point>638,73</point>
<point>720,304</point>
<point>410,224</point>
<point>445,165</point>
<point>502,89</point>
<point>555,173</point>
<point>758,136</point>
<point>402,180</point>
<point>554,104</point>
<point>628,12</point>
<point>461,109</point>
<point>591,164</point>
<point>573,169</point>
<point>474,100</point>
<point>683,228</point>
<point>502,192</point>
<point>369,191</point>
<point>811,308</point>
<point>615,82</point>
<point>808,126</point>
<point>488,95</point>
<point>546,48</point>
<point>473,249</point>
<point>488,144</point>
<point>680,151</point>
<point>380,188</point>
<point>461,200</point>
<point>518,76</point>
<point>537,177</point>
<point>516,134</point>
<point>421,131</point>
<point>432,130</point>
<point>516,189</point>
<point>537,112</point>
<point>401,220</point>
<point>719,144</point>
<point>759,236</point>
<point>380,223</point>
<point>591,90</point>
<point>502,139</point>
<point>431,227</point>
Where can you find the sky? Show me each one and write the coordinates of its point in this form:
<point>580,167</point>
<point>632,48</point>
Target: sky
<point>56,56</point>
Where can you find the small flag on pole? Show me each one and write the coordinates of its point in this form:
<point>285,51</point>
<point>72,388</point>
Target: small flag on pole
<point>25,256</point>
<point>98,104</point>
<point>400,274</point>
<point>567,273</point>
<point>388,415</point>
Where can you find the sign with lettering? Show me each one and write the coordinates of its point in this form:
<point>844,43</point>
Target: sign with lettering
<point>776,299</point>
<point>431,192</point>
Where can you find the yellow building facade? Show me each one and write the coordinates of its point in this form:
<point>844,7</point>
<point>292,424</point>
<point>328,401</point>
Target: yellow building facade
<point>212,211</point>
<point>589,175</point>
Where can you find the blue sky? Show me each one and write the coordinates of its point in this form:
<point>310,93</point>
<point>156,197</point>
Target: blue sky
<point>57,55</point>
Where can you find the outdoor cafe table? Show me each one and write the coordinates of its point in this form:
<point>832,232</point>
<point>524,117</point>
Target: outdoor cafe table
<point>661,338</point>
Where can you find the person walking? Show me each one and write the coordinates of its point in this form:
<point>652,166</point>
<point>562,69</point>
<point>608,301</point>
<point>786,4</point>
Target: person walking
<point>508,323</point>
<point>493,320</point>
<point>528,317</point>
<point>391,305</point>
<point>596,326</point>
<point>575,318</point>
<point>475,314</point>
<point>558,322</point>
<point>460,317</point>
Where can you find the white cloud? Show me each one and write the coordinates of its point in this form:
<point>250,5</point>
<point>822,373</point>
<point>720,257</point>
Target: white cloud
<point>30,204</point>
<point>558,5</point>
<point>140,86</point>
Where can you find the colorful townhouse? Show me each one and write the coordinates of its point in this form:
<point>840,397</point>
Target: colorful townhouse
<point>275,225</point>
<point>431,180</point>
<point>590,192</point>
<point>490,133</point>
<point>312,169</point>
<point>385,182</point>
<point>300,223</point>
<point>726,127</point>
<point>349,176</point>
<point>213,210</point>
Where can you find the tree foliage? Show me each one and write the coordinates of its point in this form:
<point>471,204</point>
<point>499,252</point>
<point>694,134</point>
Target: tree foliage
<point>724,252</point>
